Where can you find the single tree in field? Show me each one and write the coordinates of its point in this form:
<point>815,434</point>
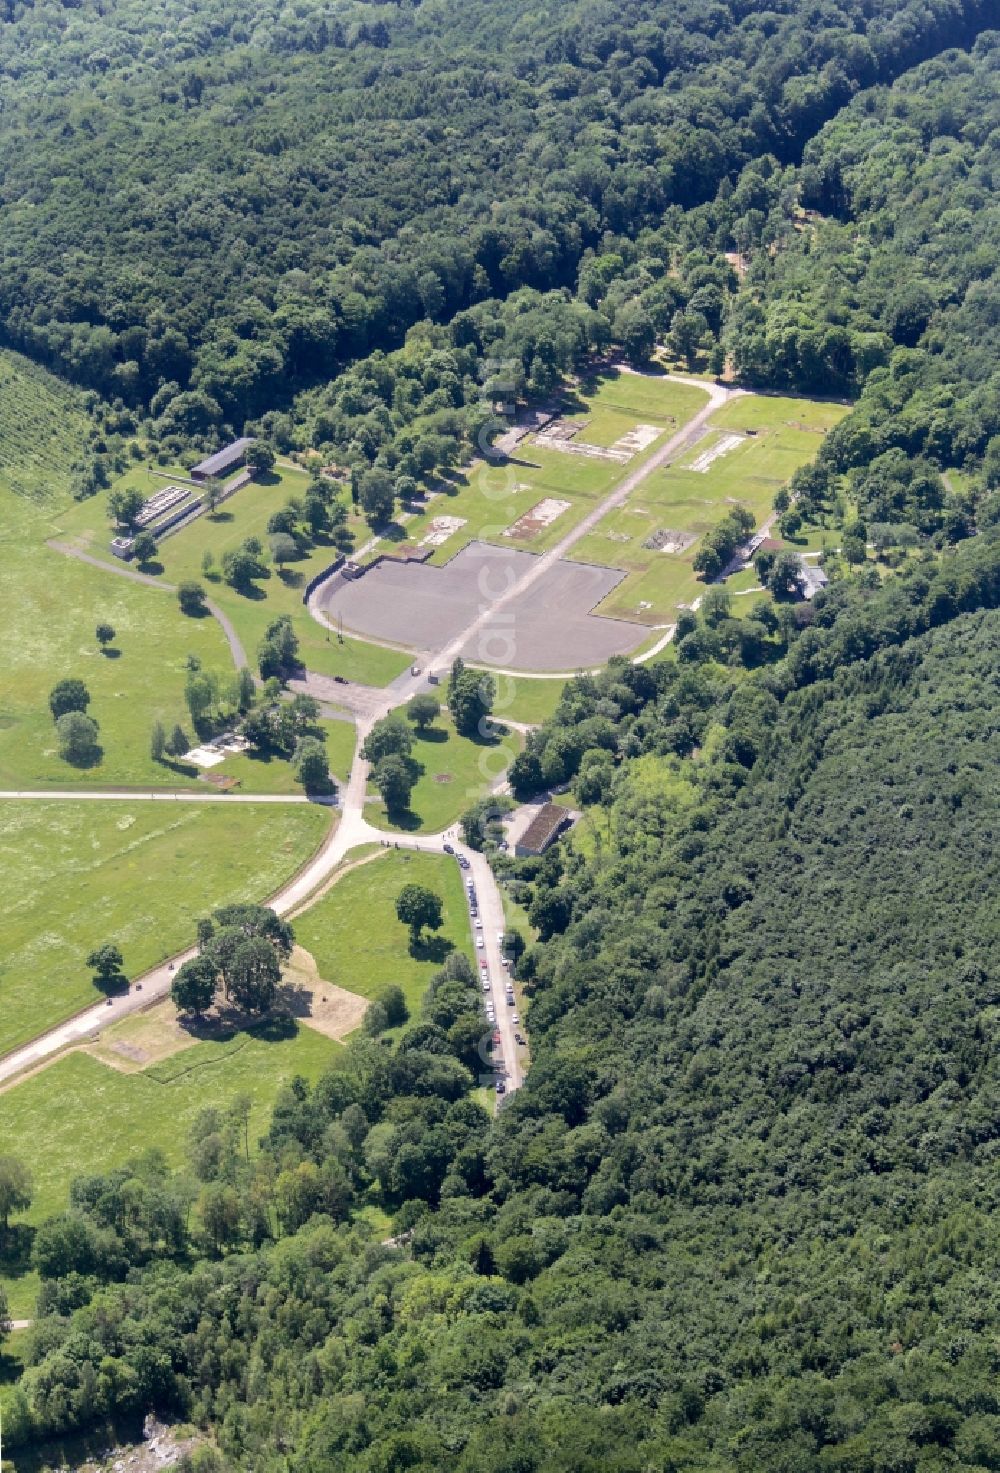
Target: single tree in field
<point>193,987</point>
<point>311,766</point>
<point>157,741</point>
<point>393,776</point>
<point>105,634</point>
<point>388,737</point>
<point>78,739</point>
<point>124,506</point>
<point>284,549</point>
<point>106,963</point>
<point>191,597</point>
<point>261,456</point>
<point>470,701</point>
<point>417,907</point>
<point>16,1188</point>
<point>211,492</point>
<point>68,695</point>
<point>208,562</point>
<point>423,710</point>
<point>144,548</point>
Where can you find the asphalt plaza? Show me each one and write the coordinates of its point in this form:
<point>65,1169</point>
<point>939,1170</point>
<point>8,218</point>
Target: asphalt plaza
<point>424,608</point>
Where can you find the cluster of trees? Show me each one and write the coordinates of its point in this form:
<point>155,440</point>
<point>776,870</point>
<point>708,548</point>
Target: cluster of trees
<point>762,1034</point>
<point>388,747</point>
<point>240,951</point>
<point>716,548</point>
<point>78,733</point>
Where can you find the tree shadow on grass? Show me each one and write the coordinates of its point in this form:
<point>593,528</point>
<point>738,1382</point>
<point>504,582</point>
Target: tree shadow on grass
<point>433,734</point>
<point>86,761</point>
<point>404,819</point>
<point>152,569</point>
<point>220,516</point>
<point>251,592</point>
<point>225,1021</point>
<point>291,577</point>
<point>392,532</point>
<point>431,949</point>
<point>111,652</point>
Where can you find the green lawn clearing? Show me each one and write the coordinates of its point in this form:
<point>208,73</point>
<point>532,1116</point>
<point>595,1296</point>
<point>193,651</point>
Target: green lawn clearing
<point>456,771</point>
<point>74,875</point>
<point>356,939</point>
<point>520,698</point>
<point>245,515</point>
<point>49,607</point>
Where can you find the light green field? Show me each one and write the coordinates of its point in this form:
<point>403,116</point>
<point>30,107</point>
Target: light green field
<point>76,875</point>
<point>491,498</point>
<point>456,772</point>
<point>246,515</point>
<point>358,943</point>
<point>521,699</point>
<point>780,435</point>
<point>50,604</point>
<point>80,1116</point>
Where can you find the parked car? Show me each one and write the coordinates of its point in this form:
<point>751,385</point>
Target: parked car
<point>501,1087</point>
<point>480,943</point>
<point>510,999</point>
<point>499,938</point>
<point>486,984</point>
<point>341,680</point>
<point>449,848</point>
<point>518,1037</point>
<point>514,1018</point>
<point>463,862</point>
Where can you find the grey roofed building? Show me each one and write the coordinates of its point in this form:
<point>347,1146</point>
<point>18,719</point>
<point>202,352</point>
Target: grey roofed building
<point>811,578</point>
<point>546,826</point>
<point>223,460</point>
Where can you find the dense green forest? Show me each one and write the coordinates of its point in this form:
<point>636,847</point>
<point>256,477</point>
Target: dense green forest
<point>203,206</point>
<point>741,1216</point>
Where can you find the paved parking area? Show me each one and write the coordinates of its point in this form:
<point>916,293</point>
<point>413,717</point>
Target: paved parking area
<point>424,608</point>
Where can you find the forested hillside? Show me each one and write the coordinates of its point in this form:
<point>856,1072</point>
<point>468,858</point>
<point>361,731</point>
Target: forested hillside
<point>741,1215</point>
<point>900,277</point>
<point>230,202</point>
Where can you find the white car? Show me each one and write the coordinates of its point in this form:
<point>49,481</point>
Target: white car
<point>479,941</point>
<point>486,984</point>
<point>499,938</point>
<point>514,1018</point>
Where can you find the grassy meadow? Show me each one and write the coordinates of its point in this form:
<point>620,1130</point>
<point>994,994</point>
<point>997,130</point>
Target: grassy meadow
<point>74,875</point>
<point>358,943</point>
<point>455,772</point>
<point>778,436</point>
<point>246,515</point>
